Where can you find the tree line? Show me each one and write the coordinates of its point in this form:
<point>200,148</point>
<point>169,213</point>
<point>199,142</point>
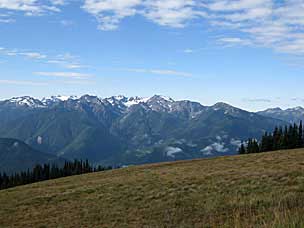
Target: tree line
<point>282,138</point>
<point>48,172</point>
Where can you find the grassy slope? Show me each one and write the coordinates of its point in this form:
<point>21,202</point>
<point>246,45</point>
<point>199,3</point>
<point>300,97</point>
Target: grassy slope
<point>259,190</point>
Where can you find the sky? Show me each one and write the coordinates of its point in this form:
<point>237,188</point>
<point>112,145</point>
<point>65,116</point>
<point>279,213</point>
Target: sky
<point>248,53</point>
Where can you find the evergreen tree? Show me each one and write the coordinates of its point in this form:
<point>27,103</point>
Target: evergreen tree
<point>47,172</point>
<point>290,138</point>
<point>242,149</point>
<point>300,136</point>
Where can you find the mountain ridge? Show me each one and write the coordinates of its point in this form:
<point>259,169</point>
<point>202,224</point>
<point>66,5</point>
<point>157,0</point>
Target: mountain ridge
<point>119,130</point>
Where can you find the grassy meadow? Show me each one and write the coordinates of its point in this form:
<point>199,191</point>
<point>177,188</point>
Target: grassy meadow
<point>256,190</point>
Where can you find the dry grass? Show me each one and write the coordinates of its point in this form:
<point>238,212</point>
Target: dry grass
<point>259,190</point>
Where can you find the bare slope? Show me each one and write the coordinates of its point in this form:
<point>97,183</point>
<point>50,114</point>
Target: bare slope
<point>259,190</point>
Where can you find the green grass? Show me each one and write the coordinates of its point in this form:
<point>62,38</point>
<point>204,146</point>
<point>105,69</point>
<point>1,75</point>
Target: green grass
<point>258,190</point>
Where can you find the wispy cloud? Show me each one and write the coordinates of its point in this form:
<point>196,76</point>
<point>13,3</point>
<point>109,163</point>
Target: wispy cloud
<point>27,54</point>
<point>274,24</point>
<point>174,13</point>
<point>32,7</point>
<point>269,23</point>
<point>257,100</point>
<point>74,75</point>
<point>22,83</point>
<point>67,23</point>
<point>33,55</point>
<point>78,82</point>
<point>188,51</point>
<point>65,60</point>
<point>7,20</point>
<point>159,72</point>
<point>232,41</point>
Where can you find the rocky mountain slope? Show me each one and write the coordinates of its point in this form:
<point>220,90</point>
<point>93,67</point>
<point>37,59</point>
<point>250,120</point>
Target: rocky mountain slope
<point>120,130</point>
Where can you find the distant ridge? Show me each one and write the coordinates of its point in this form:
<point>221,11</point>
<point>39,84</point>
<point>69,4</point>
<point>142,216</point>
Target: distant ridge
<point>16,156</point>
<point>291,115</point>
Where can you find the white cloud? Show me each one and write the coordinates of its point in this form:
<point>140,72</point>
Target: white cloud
<point>173,13</point>
<point>22,83</point>
<point>257,100</point>
<point>267,23</point>
<point>67,23</point>
<point>33,55</point>
<point>274,24</point>
<point>228,5</point>
<point>231,41</point>
<point>5,19</point>
<point>64,74</point>
<point>109,13</point>
<point>79,82</point>
<point>188,51</point>
<point>74,66</point>
<point>27,54</point>
<point>31,7</point>
<point>65,60</point>
<point>58,2</point>
<point>159,72</point>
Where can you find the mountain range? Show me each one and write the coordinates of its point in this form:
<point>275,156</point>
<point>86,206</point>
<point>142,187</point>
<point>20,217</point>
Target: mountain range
<point>121,131</point>
<point>291,115</point>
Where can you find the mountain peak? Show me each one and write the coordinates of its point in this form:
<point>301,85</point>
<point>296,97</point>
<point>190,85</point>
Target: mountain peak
<point>26,101</point>
<point>58,98</point>
<point>136,100</point>
<point>298,108</point>
<point>222,105</point>
<point>160,97</point>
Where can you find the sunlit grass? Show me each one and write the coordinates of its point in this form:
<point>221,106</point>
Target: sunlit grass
<point>258,190</point>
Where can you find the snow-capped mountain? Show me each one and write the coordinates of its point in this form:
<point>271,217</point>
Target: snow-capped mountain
<point>291,115</point>
<point>155,103</point>
<point>123,130</point>
<point>24,101</point>
<point>58,98</point>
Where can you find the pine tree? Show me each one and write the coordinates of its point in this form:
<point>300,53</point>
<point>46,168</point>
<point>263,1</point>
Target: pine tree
<point>242,149</point>
<point>300,136</point>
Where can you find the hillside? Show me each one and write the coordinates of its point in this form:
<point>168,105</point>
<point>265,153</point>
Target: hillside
<point>16,156</point>
<point>258,190</point>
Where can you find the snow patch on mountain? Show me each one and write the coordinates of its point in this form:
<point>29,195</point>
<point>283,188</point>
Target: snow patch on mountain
<point>26,101</point>
<point>136,100</point>
<point>116,99</point>
<point>58,98</point>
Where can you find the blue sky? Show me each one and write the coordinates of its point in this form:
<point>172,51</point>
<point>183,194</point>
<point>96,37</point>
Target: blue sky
<point>248,53</point>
